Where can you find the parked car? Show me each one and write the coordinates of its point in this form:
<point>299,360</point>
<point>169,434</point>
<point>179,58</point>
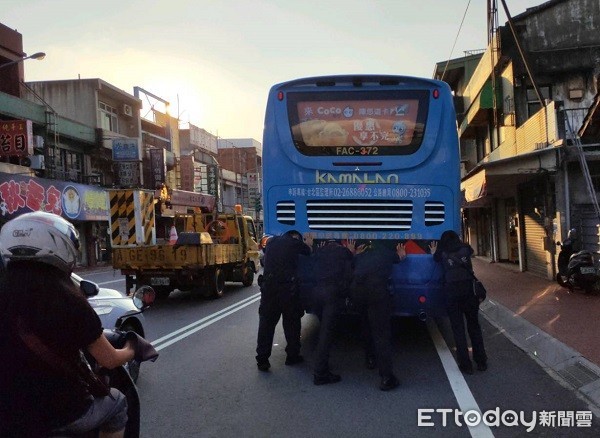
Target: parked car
<point>118,311</point>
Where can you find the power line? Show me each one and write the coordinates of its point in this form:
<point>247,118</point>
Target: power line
<point>455,40</point>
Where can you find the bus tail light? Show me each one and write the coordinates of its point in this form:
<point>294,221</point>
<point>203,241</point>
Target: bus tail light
<point>422,299</point>
<point>436,93</point>
<point>280,96</point>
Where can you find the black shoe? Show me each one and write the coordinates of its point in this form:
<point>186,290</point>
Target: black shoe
<point>263,365</point>
<point>482,366</point>
<point>326,378</point>
<point>370,363</point>
<point>467,369</point>
<point>293,360</point>
<point>389,382</point>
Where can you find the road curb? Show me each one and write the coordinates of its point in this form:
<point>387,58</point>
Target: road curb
<point>562,362</point>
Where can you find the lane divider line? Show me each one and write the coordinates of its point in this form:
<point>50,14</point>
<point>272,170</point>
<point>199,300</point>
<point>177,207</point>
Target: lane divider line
<point>464,397</point>
<point>202,323</point>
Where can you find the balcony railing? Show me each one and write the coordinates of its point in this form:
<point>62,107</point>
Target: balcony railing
<point>538,132</point>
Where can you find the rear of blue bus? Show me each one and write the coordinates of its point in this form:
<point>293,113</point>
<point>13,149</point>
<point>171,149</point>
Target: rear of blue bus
<point>366,158</point>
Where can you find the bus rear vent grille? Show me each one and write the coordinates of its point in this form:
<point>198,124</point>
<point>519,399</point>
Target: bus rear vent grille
<point>435,213</point>
<point>359,214</point>
<point>286,212</point>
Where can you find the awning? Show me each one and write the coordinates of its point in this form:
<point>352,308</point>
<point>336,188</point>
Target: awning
<point>500,178</point>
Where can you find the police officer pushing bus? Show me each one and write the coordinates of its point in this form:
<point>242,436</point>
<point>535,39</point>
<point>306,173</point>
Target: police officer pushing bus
<point>373,264</point>
<point>333,274</point>
<point>279,289</point>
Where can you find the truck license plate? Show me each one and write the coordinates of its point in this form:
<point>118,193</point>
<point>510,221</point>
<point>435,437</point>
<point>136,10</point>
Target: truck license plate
<point>159,281</point>
<point>587,270</point>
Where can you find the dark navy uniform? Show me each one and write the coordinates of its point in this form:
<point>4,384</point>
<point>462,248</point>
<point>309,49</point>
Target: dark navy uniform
<point>461,302</point>
<point>333,273</point>
<point>371,297</point>
<point>280,297</point>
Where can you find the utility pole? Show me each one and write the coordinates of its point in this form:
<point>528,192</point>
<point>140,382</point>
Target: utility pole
<point>494,43</point>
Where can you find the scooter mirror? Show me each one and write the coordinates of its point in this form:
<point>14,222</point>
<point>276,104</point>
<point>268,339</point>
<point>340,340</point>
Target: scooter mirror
<point>144,297</point>
<point>89,288</point>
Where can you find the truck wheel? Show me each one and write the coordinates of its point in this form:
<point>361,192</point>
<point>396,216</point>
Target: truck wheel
<point>216,284</point>
<point>248,276</point>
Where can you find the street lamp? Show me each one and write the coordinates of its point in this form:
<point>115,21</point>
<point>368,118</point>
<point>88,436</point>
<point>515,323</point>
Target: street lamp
<point>38,55</point>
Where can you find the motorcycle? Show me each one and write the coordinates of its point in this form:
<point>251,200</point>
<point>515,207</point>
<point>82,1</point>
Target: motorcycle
<point>120,379</point>
<point>576,269</point>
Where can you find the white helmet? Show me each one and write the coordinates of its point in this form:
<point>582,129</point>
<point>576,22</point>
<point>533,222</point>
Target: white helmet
<point>40,237</point>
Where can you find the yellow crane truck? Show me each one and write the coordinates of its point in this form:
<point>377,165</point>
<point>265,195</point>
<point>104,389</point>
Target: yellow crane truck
<point>174,239</point>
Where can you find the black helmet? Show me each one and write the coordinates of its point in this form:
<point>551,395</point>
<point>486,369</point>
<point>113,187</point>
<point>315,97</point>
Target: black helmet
<point>294,234</point>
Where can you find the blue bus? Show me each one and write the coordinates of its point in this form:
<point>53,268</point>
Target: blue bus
<point>366,157</point>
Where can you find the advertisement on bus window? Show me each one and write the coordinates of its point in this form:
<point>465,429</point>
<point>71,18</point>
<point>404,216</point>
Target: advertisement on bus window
<point>357,127</point>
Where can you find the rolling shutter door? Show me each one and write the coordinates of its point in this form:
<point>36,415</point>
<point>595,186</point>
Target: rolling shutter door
<point>535,254</point>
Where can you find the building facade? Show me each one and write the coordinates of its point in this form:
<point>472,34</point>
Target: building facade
<point>243,158</point>
<point>63,143</point>
<point>56,154</point>
<point>529,135</point>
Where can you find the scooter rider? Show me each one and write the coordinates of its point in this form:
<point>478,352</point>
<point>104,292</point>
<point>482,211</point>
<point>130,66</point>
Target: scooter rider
<point>280,297</point>
<point>46,322</point>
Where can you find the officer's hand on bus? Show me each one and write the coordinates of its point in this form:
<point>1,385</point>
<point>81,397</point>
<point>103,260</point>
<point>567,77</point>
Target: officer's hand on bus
<point>361,248</point>
<point>351,245</point>
<point>308,239</point>
<point>401,251</point>
<point>433,246</point>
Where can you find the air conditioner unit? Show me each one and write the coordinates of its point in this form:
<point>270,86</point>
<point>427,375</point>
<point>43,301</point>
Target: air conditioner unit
<point>38,142</point>
<point>127,110</point>
<point>37,162</point>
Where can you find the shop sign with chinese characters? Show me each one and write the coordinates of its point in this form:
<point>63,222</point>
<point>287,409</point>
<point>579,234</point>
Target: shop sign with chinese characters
<point>253,186</point>
<point>128,173</point>
<point>186,167</point>
<point>23,194</point>
<point>125,149</point>
<point>16,138</point>
<point>158,165</point>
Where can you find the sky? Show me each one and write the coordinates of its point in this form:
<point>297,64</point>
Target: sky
<point>215,60</point>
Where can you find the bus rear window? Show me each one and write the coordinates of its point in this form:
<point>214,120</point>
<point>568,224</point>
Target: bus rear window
<point>353,123</point>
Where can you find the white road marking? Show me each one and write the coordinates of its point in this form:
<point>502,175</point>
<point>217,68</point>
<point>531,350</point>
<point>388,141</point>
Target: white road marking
<point>464,397</point>
<point>192,328</point>
<point>90,273</point>
<point>459,386</point>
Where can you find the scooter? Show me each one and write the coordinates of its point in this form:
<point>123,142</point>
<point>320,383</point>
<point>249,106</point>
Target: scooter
<point>576,270</point>
<point>120,379</point>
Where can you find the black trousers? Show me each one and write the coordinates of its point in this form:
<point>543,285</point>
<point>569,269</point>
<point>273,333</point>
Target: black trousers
<point>463,307</point>
<point>374,303</point>
<point>279,300</point>
<point>328,307</point>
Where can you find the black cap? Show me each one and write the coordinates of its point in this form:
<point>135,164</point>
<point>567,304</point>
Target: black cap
<point>293,233</point>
